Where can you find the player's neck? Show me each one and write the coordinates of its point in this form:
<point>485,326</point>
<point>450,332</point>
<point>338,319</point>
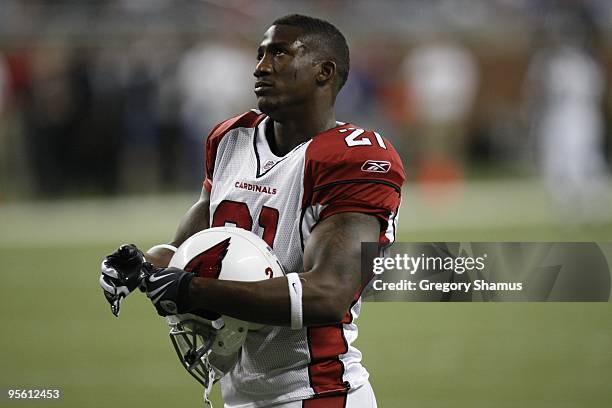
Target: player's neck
<point>290,133</point>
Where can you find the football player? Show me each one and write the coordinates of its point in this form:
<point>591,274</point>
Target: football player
<point>313,188</point>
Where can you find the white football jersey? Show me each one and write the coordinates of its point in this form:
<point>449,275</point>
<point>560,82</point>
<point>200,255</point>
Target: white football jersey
<point>281,199</point>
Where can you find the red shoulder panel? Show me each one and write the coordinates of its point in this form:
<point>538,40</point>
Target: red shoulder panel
<point>349,169</point>
<point>248,119</point>
<point>348,153</point>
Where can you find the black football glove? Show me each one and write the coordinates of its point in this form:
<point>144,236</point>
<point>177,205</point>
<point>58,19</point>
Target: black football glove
<point>121,274</point>
<point>168,289</point>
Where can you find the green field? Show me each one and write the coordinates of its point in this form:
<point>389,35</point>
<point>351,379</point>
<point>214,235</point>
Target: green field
<point>58,330</point>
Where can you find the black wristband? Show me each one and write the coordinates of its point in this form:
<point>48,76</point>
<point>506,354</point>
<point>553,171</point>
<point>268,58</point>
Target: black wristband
<point>183,291</point>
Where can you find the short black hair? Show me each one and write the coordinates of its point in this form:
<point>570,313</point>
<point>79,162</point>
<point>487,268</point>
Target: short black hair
<point>329,41</point>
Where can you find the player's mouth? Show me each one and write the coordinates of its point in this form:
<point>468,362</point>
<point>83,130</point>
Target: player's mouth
<point>262,87</point>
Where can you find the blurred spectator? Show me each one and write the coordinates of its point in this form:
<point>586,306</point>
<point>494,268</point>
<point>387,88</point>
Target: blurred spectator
<point>565,85</point>
<point>168,116</point>
<point>108,73</point>
<point>56,107</point>
<point>442,79</point>
<point>4,85</point>
<point>140,142</point>
<point>215,81</point>
<point>356,99</point>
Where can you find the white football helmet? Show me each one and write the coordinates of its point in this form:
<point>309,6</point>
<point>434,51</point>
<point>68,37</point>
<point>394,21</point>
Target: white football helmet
<point>207,343</point>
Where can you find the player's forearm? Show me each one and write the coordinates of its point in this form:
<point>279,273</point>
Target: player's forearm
<point>331,281</point>
<point>159,257</point>
<point>249,301</point>
<point>267,301</point>
<point>329,285</point>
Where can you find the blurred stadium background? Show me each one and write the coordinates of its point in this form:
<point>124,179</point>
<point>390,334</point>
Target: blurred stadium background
<point>501,110</point>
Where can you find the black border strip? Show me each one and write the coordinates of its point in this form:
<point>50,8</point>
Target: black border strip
<point>358,181</point>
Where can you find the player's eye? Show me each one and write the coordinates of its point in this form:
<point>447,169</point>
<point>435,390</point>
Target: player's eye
<point>276,52</point>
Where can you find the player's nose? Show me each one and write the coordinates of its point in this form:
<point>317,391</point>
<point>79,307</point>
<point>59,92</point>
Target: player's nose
<point>263,67</point>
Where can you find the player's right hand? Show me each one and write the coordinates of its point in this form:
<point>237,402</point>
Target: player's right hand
<point>121,273</point>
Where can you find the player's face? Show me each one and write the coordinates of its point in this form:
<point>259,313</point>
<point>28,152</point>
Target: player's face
<point>285,73</point>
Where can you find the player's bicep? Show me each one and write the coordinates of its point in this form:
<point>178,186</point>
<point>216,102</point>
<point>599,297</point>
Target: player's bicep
<point>332,262</point>
<point>195,220</point>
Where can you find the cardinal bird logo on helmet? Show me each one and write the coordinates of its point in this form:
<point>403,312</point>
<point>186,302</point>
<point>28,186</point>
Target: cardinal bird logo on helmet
<point>208,263</point>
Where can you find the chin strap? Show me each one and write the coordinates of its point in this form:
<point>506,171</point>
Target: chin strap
<point>211,379</point>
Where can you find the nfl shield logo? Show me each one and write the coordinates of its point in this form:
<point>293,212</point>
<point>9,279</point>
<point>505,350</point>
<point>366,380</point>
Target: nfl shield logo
<point>268,165</point>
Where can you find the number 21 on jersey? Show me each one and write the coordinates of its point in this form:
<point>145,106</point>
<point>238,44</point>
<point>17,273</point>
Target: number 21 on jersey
<point>353,139</point>
<point>237,213</point>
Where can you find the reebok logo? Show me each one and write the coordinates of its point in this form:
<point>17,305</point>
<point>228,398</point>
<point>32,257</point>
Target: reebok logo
<point>376,166</point>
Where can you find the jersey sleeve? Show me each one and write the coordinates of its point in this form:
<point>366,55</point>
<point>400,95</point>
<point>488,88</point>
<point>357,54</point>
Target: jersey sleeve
<point>246,120</point>
<point>353,170</point>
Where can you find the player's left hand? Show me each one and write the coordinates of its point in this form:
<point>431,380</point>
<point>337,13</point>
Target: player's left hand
<point>168,289</point>
<point>121,274</point>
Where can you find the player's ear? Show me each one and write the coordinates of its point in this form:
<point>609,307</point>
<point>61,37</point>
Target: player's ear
<point>327,69</point>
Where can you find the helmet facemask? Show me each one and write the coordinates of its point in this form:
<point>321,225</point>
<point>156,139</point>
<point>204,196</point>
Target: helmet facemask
<point>206,348</point>
<point>192,340</point>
